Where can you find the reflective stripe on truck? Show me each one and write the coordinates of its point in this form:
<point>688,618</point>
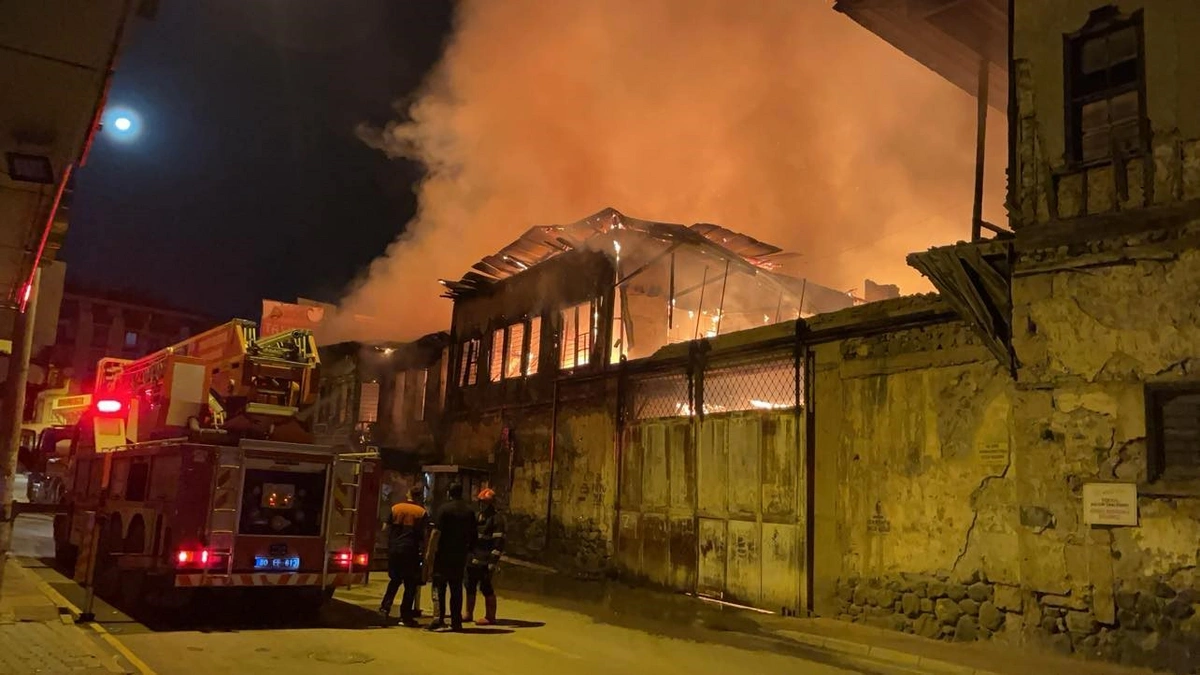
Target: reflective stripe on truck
<point>339,579</point>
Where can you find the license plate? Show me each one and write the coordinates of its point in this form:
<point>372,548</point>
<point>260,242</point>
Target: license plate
<point>277,550</point>
<point>272,563</point>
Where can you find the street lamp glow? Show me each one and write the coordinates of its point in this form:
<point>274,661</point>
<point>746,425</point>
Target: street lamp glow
<point>123,124</point>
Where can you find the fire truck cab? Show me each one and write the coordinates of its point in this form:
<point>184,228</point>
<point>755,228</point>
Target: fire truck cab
<point>190,471</point>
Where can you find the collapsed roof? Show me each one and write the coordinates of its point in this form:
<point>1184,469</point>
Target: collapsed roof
<point>598,232</point>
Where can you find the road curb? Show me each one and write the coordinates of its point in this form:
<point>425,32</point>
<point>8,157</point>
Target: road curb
<point>69,614</point>
<point>884,654</point>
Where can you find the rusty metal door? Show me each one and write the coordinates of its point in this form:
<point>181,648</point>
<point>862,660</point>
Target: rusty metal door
<point>750,520</point>
<point>657,512</point>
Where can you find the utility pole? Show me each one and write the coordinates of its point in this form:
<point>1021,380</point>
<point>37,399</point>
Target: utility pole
<point>12,411</point>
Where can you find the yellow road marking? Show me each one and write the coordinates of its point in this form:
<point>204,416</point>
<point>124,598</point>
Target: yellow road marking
<point>108,637</point>
<point>544,647</point>
<point>125,651</point>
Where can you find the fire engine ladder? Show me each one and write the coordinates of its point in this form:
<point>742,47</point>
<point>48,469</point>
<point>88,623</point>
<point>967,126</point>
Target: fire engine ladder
<point>226,509</point>
<point>343,507</point>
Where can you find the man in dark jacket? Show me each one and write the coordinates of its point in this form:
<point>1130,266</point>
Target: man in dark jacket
<point>485,557</point>
<point>406,543</point>
<point>454,534</point>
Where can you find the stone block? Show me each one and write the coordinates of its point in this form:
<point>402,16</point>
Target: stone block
<point>1061,643</point>
<point>1179,609</point>
<point>979,591</point>
<point>948,611</point>
<point>1191,170</point>
<point>1101,190</point>
<point>911,605</point>
<point>1082,622</point>
<point>1166,172</point>
<point>968,606</point>
<point>885,597</point>
<point>956,592</point>
<point>855,610</point>
<point>937,589</point>
<point>1070,196</point>
<point>1049,624</point>
<point>1127,618</point>
<point>990,617</point>
<point>860,595</point>
<point>1164,590</point>
<point>927,626</point>
<point>1065,602</point>
<point>1008,598</point>
<point>846,592</point>
<point>926,605</point>
<point>1037,518</point>
<point>1135,180</point>
<point>966,630</point>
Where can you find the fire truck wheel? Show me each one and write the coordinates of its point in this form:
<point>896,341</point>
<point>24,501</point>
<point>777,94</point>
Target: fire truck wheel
<point>133,589</point>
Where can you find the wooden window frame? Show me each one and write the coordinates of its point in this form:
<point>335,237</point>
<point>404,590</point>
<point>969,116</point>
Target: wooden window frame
<point>1157,397</point>
<point>1102,22</point>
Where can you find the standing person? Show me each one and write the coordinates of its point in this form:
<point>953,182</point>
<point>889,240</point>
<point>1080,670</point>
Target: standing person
<point>406,541</point>
<point>485,557</point>
<point>454,534</point>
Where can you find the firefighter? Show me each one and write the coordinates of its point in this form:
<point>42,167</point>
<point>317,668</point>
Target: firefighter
<point>406,539</point>
<point>454,534</point>
<point>485,557</point>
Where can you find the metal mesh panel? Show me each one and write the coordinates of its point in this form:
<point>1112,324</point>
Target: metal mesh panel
<point>761,385</point>
<point>661,396</point>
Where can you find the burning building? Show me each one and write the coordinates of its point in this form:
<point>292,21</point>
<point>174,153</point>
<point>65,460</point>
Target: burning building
<point>617,288</point>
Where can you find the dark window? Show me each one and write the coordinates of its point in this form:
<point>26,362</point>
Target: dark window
<point>135,486</point>
<point>131,339</point>
<point>1173,431</point>
<point>1105,90</point>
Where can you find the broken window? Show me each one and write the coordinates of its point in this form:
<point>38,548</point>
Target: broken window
<point>368,402</point>
<point>578,324</point>
<point>1105,99</point>
<point>496,360</point>
<point>618,327</point>
<point>535,346</point>
<point>468,370</point>
<point>420,379</point>
<point>514,350</point>
<point>1173,432</point>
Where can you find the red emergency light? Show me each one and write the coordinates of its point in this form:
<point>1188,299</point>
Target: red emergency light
<point>109,406</point>
<point>343,558</point>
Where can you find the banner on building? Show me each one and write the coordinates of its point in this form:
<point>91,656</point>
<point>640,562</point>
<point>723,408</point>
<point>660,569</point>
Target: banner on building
<point>278,317</point>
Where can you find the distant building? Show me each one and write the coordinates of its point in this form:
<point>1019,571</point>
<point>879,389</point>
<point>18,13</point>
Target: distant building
<point>96,324</point>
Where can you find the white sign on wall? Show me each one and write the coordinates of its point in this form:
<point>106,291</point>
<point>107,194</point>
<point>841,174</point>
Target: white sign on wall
<point>1110,504</point>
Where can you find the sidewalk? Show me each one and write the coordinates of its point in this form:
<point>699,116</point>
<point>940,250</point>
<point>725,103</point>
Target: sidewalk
<point>36,637</point>
<point>901,651</point>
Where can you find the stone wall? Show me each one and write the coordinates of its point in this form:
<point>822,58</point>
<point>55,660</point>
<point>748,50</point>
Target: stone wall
<point>1093,327</point>
<point>912,468</point>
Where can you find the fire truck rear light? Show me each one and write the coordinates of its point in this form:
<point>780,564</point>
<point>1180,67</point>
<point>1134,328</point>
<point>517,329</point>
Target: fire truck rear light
<point>108,406</point>
<point>361,560</point>
<point>342,558</point>
<point>197,558</point>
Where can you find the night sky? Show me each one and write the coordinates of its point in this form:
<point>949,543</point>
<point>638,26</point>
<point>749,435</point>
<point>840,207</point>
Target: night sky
<point>245,179</point>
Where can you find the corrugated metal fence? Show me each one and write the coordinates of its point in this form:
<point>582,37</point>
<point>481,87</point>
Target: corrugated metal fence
<point>712,496</point>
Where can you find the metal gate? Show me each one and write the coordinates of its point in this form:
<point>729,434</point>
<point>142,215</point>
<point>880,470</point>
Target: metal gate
<point>714,503</point>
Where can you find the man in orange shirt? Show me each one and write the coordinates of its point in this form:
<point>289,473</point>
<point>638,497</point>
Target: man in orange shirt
<point>406,542</point>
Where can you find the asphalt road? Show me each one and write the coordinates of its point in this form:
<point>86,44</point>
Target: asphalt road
<point>248,635</point>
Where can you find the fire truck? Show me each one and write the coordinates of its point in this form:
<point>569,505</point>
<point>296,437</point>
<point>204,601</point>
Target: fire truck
<point>190,473</point>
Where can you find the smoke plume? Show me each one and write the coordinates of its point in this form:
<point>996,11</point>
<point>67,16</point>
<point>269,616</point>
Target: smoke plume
<point>781,119</point>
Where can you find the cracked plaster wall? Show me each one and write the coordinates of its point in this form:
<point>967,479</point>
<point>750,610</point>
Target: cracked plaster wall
<point>1047,188</point>
<point>1088,340</point>
<point>912,461</point>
